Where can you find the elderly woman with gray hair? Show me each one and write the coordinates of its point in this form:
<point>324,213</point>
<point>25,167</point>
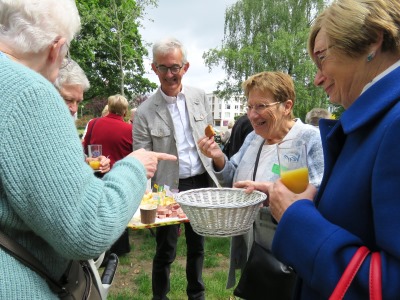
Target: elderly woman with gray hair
<point>270,100</point>
<point>316,114</point>
<point>355,45</point>
<point>71,83</point>
<point>50,202</point>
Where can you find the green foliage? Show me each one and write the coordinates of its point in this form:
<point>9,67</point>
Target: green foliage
<point>268,35</point>
<point>109,47</point>
<point>81,122</point>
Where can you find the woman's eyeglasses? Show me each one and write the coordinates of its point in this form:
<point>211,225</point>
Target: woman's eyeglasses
<point>67,59</point>
<point>320,57</point>
<point>175,69</point>
<point>259,108</point>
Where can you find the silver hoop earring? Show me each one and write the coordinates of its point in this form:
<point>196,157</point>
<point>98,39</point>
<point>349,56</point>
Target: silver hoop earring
<point>370,56</point>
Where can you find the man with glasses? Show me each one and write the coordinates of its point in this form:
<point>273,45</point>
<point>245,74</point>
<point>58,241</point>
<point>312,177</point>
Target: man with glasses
<point>171,121</point>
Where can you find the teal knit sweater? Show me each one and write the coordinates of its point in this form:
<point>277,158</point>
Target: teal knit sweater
<point>50,201</point>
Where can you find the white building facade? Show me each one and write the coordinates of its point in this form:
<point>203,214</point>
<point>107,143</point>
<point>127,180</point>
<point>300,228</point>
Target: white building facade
<point>224,111</point>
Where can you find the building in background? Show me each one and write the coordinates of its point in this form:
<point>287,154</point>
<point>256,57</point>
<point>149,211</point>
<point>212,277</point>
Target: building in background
<point>226,110</point>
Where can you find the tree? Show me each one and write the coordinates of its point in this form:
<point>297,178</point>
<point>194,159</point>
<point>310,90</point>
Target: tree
<point>268,35</point>
<point>109,47</point>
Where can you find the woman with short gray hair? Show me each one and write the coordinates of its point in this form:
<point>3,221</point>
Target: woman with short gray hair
<point>50,202</point>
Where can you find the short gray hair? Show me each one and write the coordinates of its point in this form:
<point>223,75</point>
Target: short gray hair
<point>29,26</point>
<point>72,73</point>
<point>166,45</point>
<point>314,115</point>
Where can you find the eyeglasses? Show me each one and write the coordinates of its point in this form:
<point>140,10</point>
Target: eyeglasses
<point>175,69</point>
<point>67,59</point>
<point>320,57</point>
<point>259,108</point>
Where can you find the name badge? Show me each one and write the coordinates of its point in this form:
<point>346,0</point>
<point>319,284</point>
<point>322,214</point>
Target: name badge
<point>276,169</point>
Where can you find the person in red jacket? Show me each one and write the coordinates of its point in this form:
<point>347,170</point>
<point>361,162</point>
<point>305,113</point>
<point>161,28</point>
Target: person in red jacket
<point>115,136</point>
<point>111,131</point>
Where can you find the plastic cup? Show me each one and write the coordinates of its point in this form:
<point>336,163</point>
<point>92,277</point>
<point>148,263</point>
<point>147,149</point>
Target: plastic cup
<point>292,155</point>
<point>148,213</point>
<point>94,150</point>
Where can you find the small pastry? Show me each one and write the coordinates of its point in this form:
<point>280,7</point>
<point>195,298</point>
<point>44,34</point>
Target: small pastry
<point>209,131</point>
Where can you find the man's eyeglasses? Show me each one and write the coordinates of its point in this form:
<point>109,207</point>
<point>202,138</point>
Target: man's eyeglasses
<point>175,69</point>
<point>259,108</point>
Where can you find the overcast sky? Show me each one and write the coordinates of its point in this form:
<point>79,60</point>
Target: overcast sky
<point>199,25</point>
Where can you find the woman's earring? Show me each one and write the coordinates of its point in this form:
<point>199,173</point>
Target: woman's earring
<point>370,56</point>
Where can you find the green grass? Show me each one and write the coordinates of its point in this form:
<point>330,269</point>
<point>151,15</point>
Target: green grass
<point>133,279</point>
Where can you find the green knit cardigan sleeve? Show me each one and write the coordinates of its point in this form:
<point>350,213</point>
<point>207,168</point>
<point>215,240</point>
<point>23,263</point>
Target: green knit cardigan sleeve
<point>49,199</point>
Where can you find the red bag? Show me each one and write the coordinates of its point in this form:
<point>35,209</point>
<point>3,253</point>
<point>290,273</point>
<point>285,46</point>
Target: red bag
<point>375,275</point>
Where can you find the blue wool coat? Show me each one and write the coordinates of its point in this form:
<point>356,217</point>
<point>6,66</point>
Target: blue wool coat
<point>358,202</point>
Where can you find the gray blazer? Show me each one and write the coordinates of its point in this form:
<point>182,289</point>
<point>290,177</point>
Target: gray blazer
<point>153,129</point>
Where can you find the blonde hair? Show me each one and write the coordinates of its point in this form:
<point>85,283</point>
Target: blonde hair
<point>104,112</point>
<point>353,25</point>
<point>117,104</point>
<point>279,84</point>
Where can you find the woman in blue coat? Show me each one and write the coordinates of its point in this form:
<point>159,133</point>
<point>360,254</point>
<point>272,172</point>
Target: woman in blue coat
<point>356,47</point>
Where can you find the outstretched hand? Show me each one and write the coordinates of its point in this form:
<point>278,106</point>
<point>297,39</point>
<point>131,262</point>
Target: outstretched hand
<point>150,159</point>
<point>279,196</point>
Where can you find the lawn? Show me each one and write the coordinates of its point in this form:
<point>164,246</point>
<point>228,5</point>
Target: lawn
<point>133,279</point>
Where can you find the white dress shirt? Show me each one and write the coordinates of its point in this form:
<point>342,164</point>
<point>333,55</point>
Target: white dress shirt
<point>189,160</point>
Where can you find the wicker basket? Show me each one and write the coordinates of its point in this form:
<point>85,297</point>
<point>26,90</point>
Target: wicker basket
<point>220,211</point>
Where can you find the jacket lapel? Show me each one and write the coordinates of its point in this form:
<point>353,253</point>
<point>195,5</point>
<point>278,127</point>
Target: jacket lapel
<point>162,110</point>
<point>333,139</point>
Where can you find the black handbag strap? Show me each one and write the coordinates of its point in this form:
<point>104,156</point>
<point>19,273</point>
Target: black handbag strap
<point>257,160</point>
<point>254,179</point>
<point>24,256</point>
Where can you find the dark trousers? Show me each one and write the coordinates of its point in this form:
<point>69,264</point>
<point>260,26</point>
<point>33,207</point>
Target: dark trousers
<point>121,246</point>
<point>167,238</point>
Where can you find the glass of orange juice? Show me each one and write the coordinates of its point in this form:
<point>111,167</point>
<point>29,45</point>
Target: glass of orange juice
<point>95,151</point>
<point>292,156</point>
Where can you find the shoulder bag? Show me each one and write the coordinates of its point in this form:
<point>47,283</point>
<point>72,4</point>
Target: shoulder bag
<point>375,275</point>
<point>76,283</point>
<point>264,277</point>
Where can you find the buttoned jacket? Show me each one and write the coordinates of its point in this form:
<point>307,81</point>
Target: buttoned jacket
<point>358,202</point>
